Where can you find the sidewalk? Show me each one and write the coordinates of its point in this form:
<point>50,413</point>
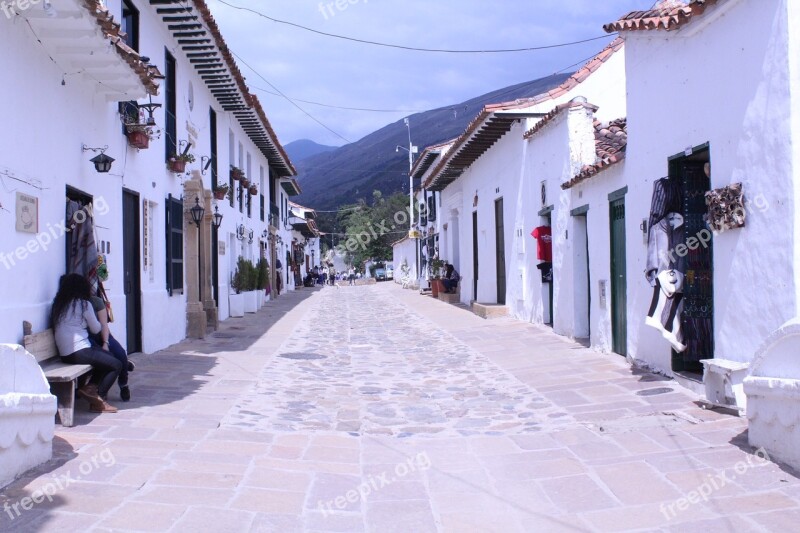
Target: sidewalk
<point>377,409</point>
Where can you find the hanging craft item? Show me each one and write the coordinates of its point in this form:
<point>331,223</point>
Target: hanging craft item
<point>725,208</point>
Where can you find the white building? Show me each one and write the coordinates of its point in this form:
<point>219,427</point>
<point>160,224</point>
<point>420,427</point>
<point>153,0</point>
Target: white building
<point>712,81</point>
<point>84,74</point>
<point>305,237</point>
<point>492,180</point>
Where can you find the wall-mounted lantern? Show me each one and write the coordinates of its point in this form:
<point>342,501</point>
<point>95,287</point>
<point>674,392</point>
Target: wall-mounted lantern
<point>102,162</point>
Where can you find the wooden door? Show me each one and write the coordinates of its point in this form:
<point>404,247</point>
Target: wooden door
<point>619,322</point>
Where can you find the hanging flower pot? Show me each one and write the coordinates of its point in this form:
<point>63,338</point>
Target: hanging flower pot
<point>245,182</point>
<point>177,163</point>
<point>236,173</point>
<point>221,191</point>
<point>177,166</point>
<point>253,189</point>
<point>138,138</point>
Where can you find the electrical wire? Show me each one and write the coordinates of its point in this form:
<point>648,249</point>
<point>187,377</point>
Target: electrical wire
<point>412,48</point>
<point>309,115</point>
<point>342,107</point>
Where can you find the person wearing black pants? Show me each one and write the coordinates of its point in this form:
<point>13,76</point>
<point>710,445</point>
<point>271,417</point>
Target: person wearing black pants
<point>73,319</point>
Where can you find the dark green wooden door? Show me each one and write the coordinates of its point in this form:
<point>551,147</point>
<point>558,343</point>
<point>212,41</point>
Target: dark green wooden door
<point>619,322</point>
<point>500,244</point>
<point>475,256</point>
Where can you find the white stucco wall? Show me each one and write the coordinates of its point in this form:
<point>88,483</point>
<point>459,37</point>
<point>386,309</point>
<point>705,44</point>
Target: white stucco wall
<point>41,144</point>
<point>403,251</point>
<point>705,83</point>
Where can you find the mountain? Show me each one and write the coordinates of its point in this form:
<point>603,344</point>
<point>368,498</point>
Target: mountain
<point>353,171</point>
<point>305,148</point>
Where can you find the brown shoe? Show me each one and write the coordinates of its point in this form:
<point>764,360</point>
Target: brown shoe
<point>102,406</point>
<point>89,392</point>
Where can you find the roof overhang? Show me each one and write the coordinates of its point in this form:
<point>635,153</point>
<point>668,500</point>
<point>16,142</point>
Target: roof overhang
<point>291,186</point>
<point>486,130</point>
<point>81,36</point>
<point>196,32</point>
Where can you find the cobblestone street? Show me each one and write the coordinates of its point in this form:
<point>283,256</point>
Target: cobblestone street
<point>377,409</point>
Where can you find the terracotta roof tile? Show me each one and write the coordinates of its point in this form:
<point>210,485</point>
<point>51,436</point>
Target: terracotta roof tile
<point>665,15</point>
<point>549,117</point>
<point>148,74</point>
<point>573,81</point>
<point>611,141</point>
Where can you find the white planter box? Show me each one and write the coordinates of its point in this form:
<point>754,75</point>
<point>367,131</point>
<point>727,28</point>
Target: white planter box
<point>236,303</point>
<point>27,413</point>
<point>773,396</point>
<point>261,299</point>
<point>251,301</point>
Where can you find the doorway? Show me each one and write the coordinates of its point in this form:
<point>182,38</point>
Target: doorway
<point>697,319</point>
<point>619,283</point>
<point>500,248</point>
<point>581,278</point>
<point>132,283</point>
<point>474,256</point>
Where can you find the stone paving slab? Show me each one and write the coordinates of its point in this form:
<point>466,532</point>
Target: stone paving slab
<point>413,416</point>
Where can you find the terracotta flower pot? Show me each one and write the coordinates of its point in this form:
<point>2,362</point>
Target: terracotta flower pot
<point>139,139</point>
<point>253,190</point>
<point>436,287</point>
<point>236,174</point>
<point>220,194</point>
<point>177,165</point>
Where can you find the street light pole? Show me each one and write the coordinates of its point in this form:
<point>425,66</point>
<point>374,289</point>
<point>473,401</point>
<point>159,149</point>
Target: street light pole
<point>411,195</point>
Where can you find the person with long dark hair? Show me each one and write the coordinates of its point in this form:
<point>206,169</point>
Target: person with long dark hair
<point>73,318</point>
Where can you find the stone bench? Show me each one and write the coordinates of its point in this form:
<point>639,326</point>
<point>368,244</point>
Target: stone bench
<point>451,297</point>
<point>724,383</point>
<point>62,377</point>
<point>489,310</point>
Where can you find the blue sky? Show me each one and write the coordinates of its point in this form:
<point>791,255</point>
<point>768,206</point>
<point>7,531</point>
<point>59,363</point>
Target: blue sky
<point>317,68</point>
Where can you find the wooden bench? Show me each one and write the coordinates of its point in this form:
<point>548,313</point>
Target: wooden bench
<point>62,377</point>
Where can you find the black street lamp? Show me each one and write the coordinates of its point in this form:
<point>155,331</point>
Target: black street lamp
<point>198,212</point>
<point>216,218</point>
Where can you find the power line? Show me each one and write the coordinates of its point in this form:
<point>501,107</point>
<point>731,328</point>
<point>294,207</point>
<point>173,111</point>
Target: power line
<point>342,107</point>
<point>309,115</point>
<point>412,48</point>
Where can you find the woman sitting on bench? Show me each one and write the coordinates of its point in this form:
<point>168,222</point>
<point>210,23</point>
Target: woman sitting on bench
<point>450,280</point>
<point>73,318</point>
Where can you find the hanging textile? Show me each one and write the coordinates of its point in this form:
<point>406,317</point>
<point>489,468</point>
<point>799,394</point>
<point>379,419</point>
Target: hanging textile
<point>81,246</point>
<point>666,199</point>
<point>667,306</point>
<point>544,243</point>
<point>664,237</point>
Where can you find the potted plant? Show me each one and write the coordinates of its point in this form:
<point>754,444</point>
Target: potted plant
<point>177,162</point>
<point>251,294</point>
<point>236,173</point>
<point>238,284</point>
<point>137,136</point>
<point>221,191</point>
<point>436,272</point>
<point>253,189</point>
<point>263,276</point>
<point>244,181</point>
